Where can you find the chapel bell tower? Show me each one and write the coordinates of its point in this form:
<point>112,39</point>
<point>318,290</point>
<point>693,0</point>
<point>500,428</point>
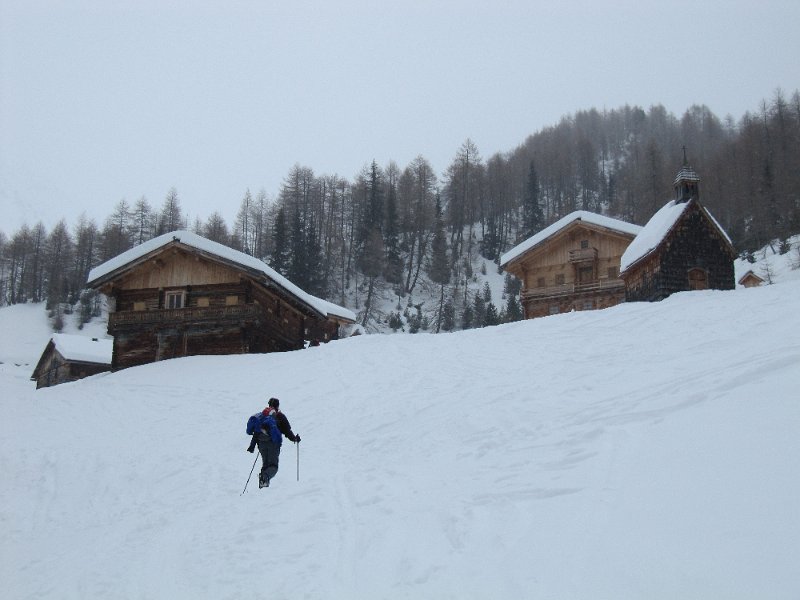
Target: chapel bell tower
<point>687,183</point>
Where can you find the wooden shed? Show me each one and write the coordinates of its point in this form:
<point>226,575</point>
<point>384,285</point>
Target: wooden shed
<point>180,294</point>
<point>71,357</point>
<point>571,265</point>
<point>681,248</point>
<point>750,279</point>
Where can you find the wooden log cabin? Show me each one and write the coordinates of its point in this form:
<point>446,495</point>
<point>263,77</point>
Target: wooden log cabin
<point>571,265</point>
<point>180,294</point>
<point>71,357</point>
<point>681,248</point>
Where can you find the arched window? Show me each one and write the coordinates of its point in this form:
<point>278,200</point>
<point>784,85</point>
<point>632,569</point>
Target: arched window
<point>698,279</point>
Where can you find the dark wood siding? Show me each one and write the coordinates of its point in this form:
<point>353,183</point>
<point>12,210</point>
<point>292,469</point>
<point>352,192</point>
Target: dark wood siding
<point>179,302</point>
<point>54,369</point>
<point>694,243</point>
<point>237,319</point>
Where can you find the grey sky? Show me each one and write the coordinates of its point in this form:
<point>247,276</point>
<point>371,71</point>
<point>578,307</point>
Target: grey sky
<point>101,101</point>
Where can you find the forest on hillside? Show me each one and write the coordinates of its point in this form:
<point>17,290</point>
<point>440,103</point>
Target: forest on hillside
<point>399,227</point>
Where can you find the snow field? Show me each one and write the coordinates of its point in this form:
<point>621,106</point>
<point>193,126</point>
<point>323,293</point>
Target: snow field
<point>644,451</point>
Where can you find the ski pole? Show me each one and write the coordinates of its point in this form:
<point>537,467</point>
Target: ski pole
<point>298,461</point>
<point>249,476</point>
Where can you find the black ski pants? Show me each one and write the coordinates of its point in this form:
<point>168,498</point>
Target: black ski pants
<point>270,453</point>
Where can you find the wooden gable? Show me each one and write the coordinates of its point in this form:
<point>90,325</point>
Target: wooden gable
<point>572,266</point>
<point>556,254</point>
<point>177,268</point>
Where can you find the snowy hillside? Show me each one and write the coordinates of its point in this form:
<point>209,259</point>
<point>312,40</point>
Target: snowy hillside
<point>644,451</point>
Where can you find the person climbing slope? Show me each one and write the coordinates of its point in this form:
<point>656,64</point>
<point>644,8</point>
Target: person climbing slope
<point>268,429</point>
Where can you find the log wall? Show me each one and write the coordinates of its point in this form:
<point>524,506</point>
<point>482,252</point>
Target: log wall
<point>55,369</point>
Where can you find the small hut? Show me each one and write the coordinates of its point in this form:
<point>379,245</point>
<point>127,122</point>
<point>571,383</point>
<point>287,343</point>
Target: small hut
<point>71,357</point>
<point>750,279</point>
<point>681,248</point>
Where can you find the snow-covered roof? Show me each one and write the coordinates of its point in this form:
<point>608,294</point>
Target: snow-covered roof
<point>83,349</point>
<point>187,238</point>
<point>551,230</point>
<point>653,233</point>
<point>656,230</point>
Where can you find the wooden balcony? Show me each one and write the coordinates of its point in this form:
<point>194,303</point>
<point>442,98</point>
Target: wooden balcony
<point>570,289</point>
<point>182,315</point>
<point>583,255</point>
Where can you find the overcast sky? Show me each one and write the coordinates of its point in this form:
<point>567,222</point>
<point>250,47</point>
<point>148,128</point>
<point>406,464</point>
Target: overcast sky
<point>104,100</point>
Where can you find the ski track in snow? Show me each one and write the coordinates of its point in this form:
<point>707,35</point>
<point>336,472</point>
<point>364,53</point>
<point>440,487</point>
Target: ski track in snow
<point>644,451</point>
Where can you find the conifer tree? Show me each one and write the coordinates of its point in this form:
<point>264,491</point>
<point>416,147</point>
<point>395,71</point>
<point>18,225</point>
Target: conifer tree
<point>371,264</point>
<point>439,267</point>
<point>315,269</point>
<point>513,310</point>
<point>532,216</point>
<point>478,310</point>
<point>487,292</point>
<point>280,257</point>
<point>449,316</point>
<point>491,317</point>
<point>393,266</point>
<point>297,258</point>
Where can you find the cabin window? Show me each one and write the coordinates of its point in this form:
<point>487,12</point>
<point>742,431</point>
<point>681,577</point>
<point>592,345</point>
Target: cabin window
<point>139,306</point>
<point>560,279</point>
<point>203,302</point>
<point>584,244</point>
<point>173,299</point>
<point>588,305</point>
<point>540,282</point>
<point>698,279</point>
<point>231,300</point>
<point>554,310</point>
<point>613,272</point>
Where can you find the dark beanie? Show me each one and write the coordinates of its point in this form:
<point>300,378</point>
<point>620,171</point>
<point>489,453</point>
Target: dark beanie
<point>274,402</point>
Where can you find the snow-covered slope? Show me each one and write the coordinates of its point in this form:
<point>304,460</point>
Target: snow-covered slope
<point>644,451</point>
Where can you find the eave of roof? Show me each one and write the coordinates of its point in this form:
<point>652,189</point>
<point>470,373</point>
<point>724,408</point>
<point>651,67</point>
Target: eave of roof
<point>589,218</point>
<point>114,267</point>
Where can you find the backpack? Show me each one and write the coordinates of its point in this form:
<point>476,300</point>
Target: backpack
<point>267,422</point>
